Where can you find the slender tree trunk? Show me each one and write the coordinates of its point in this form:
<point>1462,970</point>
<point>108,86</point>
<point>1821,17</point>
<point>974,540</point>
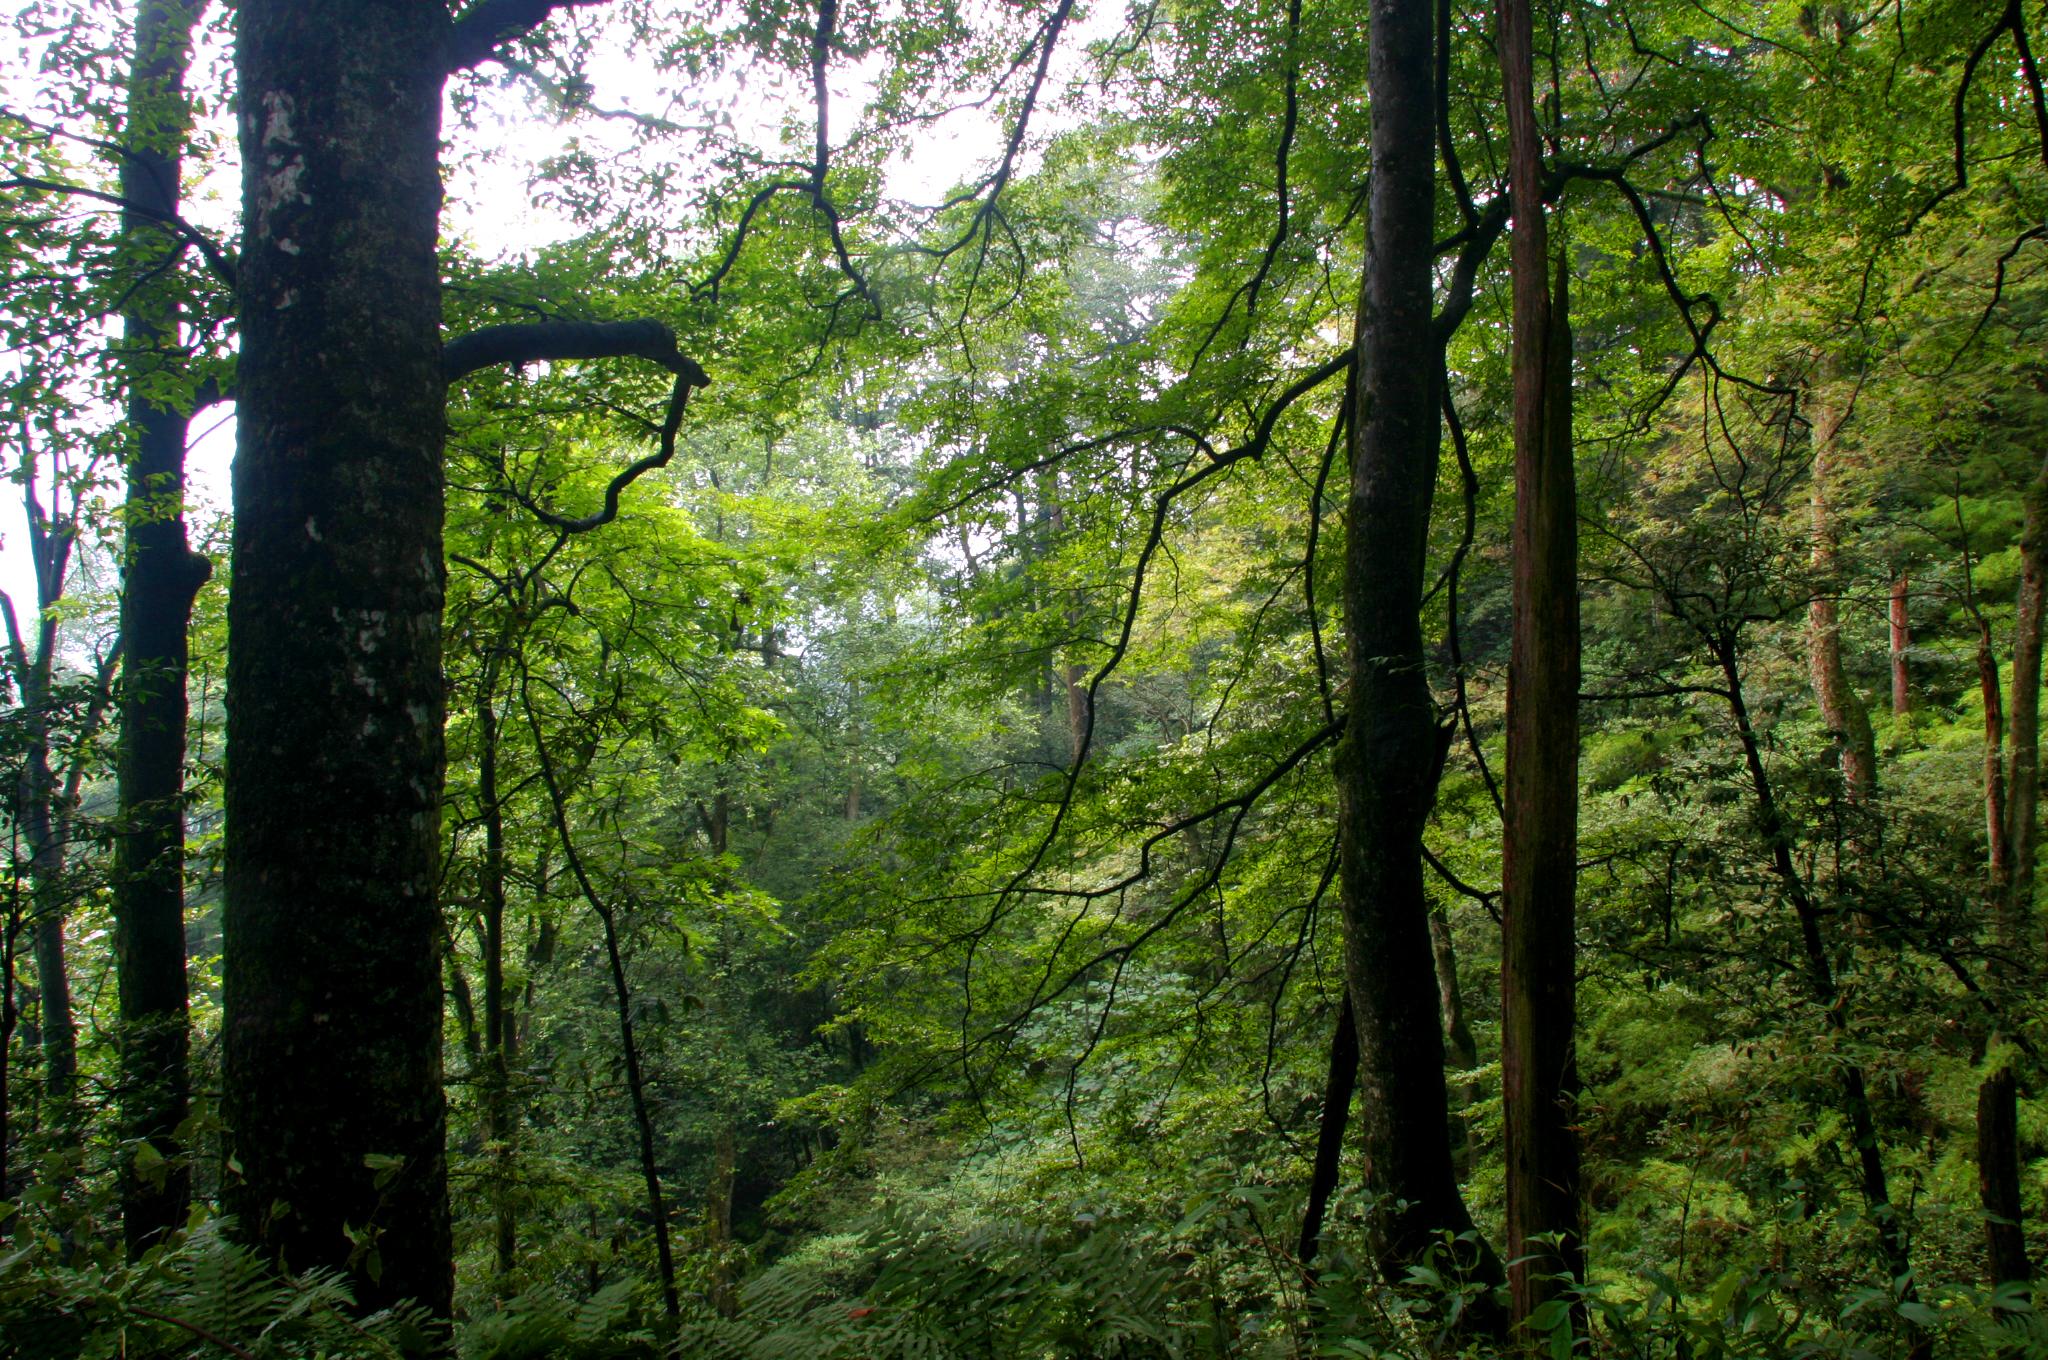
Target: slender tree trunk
<point>1841,708</point>
<point>160,577</point>
<point>500,1119</point>
<point>1820,973</point>
<point>2012,885</point>
<point>718,1217</point>
<point>332,921</point>
<point>1339,1086</point>
<point>1387,763</point>
<point>1539,956</point>
<point>2023,780</point>
<point>2000,858</point>
<point>1460,1049</point>
<point>622,998</point>
<point>1901,640</point>
<point>1461,1052</point>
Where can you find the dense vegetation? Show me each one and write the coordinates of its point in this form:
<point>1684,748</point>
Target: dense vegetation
<point>1373,691</point>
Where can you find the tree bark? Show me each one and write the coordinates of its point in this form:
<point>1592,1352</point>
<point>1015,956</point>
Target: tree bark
<point>1387,763</point>
<point>160,577</point>
<point>2023,779</point>
<point>1901,640</point>
<point>332,923</point>
<point>1339,1085</point>
<point>1841,708</point>
<point>2012,882</point>
<point>1998,1181</point>
<point>1539,1064</point>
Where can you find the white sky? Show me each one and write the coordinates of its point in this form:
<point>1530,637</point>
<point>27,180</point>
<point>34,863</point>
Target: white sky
<point>490,207</point>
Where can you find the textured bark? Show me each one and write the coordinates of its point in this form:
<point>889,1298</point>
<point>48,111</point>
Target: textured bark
<point>160,576</point>
<point>1387,766</point>
<point>2023,779</point>
<point>1539,1008</point>
<point>1841,708</point>
<point>1999,858</point>
<point>332,982</point>
<point>1998,1179</point>
<point>2011,806</point>
<point>1901,640</point>
<point>724,1288</point>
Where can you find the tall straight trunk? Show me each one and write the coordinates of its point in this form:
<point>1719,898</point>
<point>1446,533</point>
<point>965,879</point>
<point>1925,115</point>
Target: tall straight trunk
<point>1539,956</point>
<point>332,923</point>
<point>1999,857</point>
<point>160,577</point>
<point>1901,639</point>
<point>1387,764</point>
<point>1841,708</point>
<point>2023,779</point>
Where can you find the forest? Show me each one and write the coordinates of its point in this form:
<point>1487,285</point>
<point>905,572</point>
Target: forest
<point>996,678</point>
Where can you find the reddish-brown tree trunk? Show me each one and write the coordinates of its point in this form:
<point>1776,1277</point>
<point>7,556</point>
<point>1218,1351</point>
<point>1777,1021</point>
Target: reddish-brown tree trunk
<point>1387,763</point>
<point>1901,641</point>
<point>1539,1067</point>
<point>160,576</point>
<point>1841,708</point>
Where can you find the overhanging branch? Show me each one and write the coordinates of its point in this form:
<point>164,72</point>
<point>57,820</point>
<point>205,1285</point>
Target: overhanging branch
<point>489,25</point>
<point>540,341</point>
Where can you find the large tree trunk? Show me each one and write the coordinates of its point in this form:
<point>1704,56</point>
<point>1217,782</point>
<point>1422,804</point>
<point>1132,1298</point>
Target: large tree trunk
<point>1387,764</point>
<point>332,983</point>
<point>160,576</point>
<point>1841,708</point>
<point>1539,1007</point>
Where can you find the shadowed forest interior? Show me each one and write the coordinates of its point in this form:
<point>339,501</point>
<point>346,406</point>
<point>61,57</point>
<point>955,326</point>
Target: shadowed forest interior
<point>982,678</point>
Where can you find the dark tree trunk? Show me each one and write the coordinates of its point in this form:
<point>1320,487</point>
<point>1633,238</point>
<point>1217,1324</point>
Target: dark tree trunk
<point>2012,883</point>
<point>1820,973</point>
<point>499,1035</point>
<point>1339,1085</point>
<point>622,1000</point>
<point>1387,765</point>
<point>1998,1179</point>
<point>160,577</point>
<point>1539,1006</point>
<point>332,981</point>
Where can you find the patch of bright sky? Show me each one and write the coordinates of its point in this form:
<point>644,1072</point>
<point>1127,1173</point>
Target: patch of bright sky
<point>492,206</point>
